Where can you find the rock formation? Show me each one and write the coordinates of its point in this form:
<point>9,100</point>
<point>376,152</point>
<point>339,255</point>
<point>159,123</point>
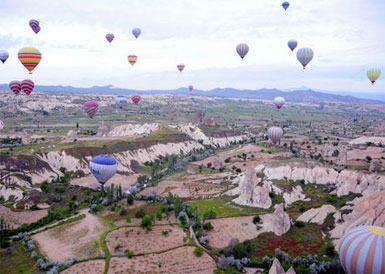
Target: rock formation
<point>342,157</point>
<point>317,215</point>
<point>71,136</point>
<point>25,138</point>
<point>133,130</point>
<point>276,267</point>
<point>295,195</point>
<point>277,222</point>
<point>102,130</point>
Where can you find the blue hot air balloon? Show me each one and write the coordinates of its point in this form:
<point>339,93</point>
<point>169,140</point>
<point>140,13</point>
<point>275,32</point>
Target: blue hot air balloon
<point>292,44</point>
<point>103,167</point>
<point>285,5</point>
<point>121,100</point>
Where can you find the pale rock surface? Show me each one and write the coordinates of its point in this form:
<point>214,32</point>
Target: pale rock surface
<point>71,136</point>
<point>342,157</point>
<point>102,130</point>
<point>290,271</point>
<point>317,215</point>
<point>133,130</point>
<point>25,138</point>
<point>276,267</point>
<point>295,195</point>
<point>277,222</point>
<point>364,140</point>
<point>7,192</point>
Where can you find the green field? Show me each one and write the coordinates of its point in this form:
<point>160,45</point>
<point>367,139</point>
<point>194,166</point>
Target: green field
<point>19,261</point>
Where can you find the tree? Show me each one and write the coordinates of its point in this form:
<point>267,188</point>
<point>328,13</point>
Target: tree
<point>198,251</point>
<point>146,222</point>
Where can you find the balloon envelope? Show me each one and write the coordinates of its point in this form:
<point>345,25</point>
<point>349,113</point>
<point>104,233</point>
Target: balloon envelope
<point>292,44</point>
<point>242,50</point>
<point>27,86</point>
<point>15,86</point>
<point>373,75</point>
<point>136,99</point>
<point>285,5</point>
<point>132,59</point>
<point>29,57</point>
<point>275,134</point>
<point>4,55</point>
<point>121,100</point>
<point>91,107</point>
<point>136,32</point>
<point>110,37</point>
<point>362,250</point>
<point>279,102</point>
<point>180,67</point>
<point>35,25</point>
<point>191,87</point>
<point>304,56</point>
<point>103,167</point>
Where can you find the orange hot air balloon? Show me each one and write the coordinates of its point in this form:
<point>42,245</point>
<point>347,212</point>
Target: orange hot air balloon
<point>29,58</point>
<point>132,59</point>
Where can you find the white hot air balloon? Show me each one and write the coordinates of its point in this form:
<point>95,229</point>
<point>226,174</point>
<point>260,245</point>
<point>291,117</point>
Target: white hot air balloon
<point>275,134</point>
<point>103,168</point>
<point>279,102</point>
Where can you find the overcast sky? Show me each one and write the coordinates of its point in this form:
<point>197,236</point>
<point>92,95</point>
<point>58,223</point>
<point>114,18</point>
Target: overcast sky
<point>347,37</point>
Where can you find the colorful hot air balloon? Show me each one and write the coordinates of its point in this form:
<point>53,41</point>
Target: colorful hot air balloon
<point>15,86</point>
<point>27,86</point>
<point>292,44</point>
<point>362,250</point>
<point>285,5</point>
<point>304,56</point>
<point>110,37</point>
<point>103,168</point>
<point>136,32</point>
<point>1,125</point>
<point>242,50</point>
<point>180,67</point>
<point>373,75</point>
<point>132,59</point>
<point>91,107</point>
<point>191,87</point>
<point>121,100</point>
<point>35,25</point>
<point>30,58</point>
<point>275,134</point>
<point>4,55</point>
<point>279,102</point>
<point>135,99</point>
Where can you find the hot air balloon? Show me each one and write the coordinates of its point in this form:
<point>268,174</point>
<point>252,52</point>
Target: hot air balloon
<point>30,58</point>
<point>285,5</point>
<point>292,44</point>
<point>180,67</point>
<point>121,100</point>
<point>279,102</point>
<point>103,168</point>
<point>15,86</point>
<point>373,75</point>
<point>4,55</point>
<point>135,99</point>
<point>27,86</point>
<point>110,37</point>
<point>136,32</point>
<point>1,125</point>
<point>362,250</point>
<point>91,107</point>
<point>242,50</point>
<point>275,134</point>
<point>304,56</point>
<point>191,87</point>
<point>132,59</point>
<point>35,26</point>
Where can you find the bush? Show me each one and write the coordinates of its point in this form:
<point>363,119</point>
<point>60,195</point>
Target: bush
<point>130,200</point>
<point>129,254</point>
<point>256,219</point>
<point>158,215</point>
<point>128,219</point>
<point>330,199</point>
<point>209,215</point>
<point>330,250</point>
<point>198,251</point>
<point>140,213</point>
<point>238,170</point>
<point>4,244</point>
<point>164,232</point>
<point>146,222</point>
<point>299,224</point>
<point>227,160</point>
<point>208,226</point>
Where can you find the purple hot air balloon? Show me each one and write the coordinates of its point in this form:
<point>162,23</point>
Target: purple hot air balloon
<point>275,134</point>
<point>304,56</point>
<point>135,99</point>
<point>110,37</point>
<point>4,55</point>
<point>35,25</point>
<point>180,67</point>
<point>292,44</point>
<point>27,86</point>
<point>91,107</point>
<point>285,5</point>
<point>136,32</point>
<point>15,86</point>
<point>242,50</point>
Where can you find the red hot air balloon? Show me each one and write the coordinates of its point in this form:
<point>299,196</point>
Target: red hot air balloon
<point>180,67</point>
<point>15,86</point>
<point>135,99</point>
<point>110,37</point>
<point>27,86</point>
<point>91,107</point>
<point>191,87</point>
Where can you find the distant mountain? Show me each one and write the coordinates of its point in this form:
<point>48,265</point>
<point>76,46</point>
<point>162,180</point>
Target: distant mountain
<point>300,95</point>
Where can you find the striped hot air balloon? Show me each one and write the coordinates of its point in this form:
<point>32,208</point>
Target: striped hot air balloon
<point>15,87</point>
<point>35,25</point>
<point>136,32</point>
<point>30,58</point>
<point>135,99</point>
<point>242,50</point>
<point>1,125</point>
<point>27,86</point>
<point>292,44</point>
<point>4,55</point>
<point>103,168</point>
<point>110,37</point>
<point>373,75</point>
<point>279,102</point>
<point>191,87</point>
<point>275,134</point>
<point>91,107</point>
<point>132,59</point>
<point>304,56</point>
<point>362,250</point>
<point>180,67</point>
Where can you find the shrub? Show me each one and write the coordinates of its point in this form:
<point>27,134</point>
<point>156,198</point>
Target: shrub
<point>140,213</point>
<point>198,251</point>
<point>227,160</point>
<point>209,165</point>
<point>208,226</point>
<point>238,170</point>
<point>330,250</point>
<point>330,199</point>
<point>164,232</point>
<point>158,215</point>
<point>128,219</point>
<point>129,254</point>
<point>256,219</point>
<point>130,200</point>
<point>146,222</point>
<point>4,244</point>
<point>299,224</point>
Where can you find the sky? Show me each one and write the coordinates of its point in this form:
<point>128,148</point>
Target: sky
<point>347,37</point>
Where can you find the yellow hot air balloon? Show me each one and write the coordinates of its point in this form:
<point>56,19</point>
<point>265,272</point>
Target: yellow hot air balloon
<point>373,75</point>
<point>30,58</point>
<point>132,59</point>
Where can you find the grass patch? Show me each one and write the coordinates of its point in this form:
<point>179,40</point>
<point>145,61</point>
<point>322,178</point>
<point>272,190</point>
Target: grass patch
<point>17,262</point>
